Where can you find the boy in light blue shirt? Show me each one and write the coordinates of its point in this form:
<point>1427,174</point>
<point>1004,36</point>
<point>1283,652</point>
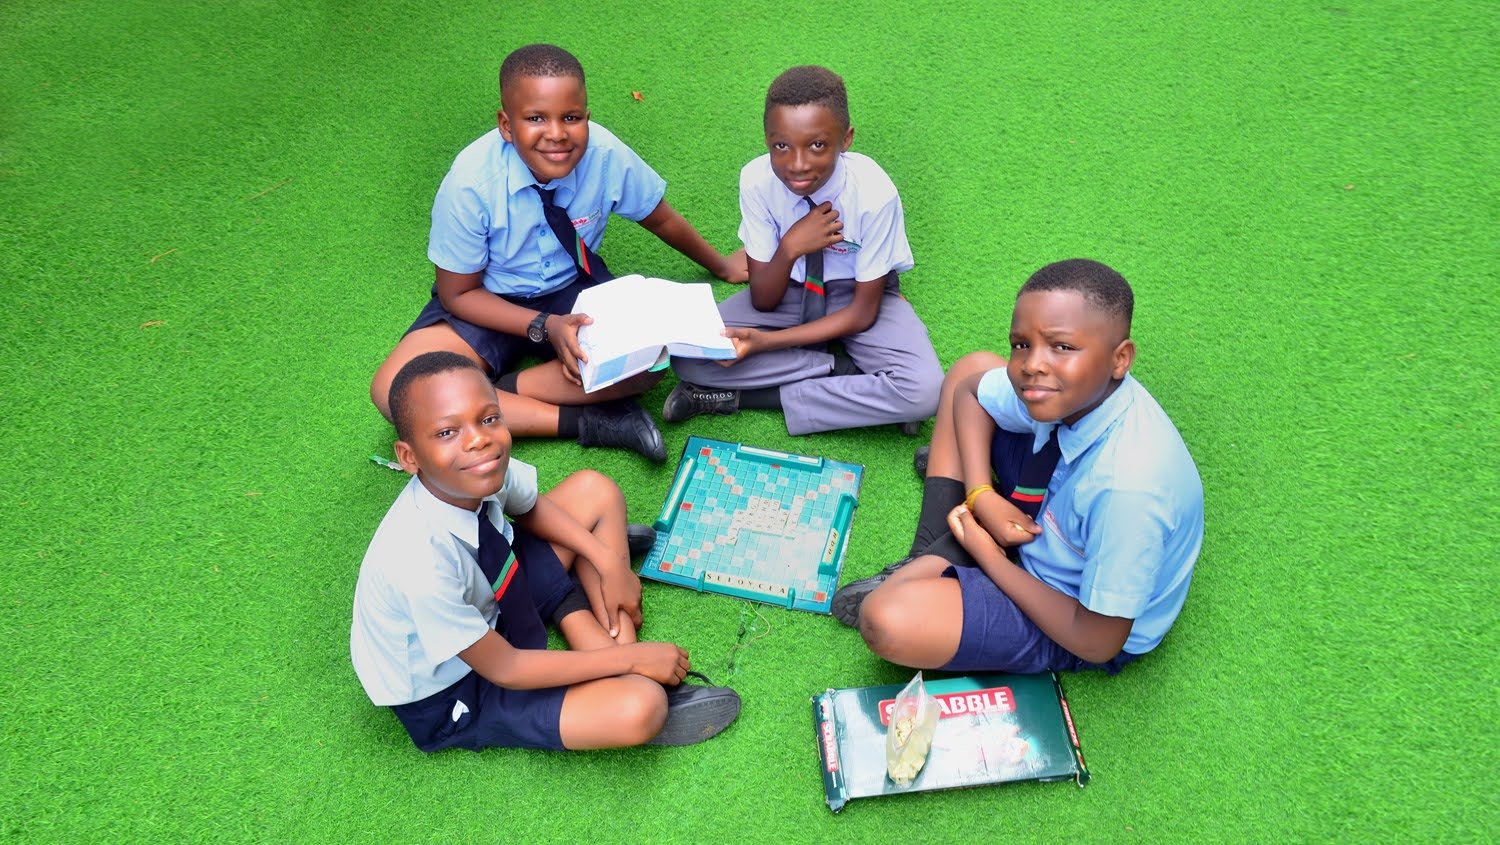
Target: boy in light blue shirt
<point>1101,573</point>
<point>516,226</point>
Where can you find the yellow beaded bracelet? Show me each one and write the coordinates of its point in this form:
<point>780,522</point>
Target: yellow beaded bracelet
<point>975,494</point>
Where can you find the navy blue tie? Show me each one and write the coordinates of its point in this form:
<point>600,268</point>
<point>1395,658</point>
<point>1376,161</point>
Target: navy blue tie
<point>814,305</point>
<point>1036,472</point>
<point>586,260</point>
<point>518,622</point>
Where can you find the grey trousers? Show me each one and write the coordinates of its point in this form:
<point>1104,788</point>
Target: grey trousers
<point>901,375</point>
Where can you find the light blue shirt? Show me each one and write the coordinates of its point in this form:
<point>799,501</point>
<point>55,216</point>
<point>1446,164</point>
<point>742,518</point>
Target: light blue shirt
<point>1123,517</point>
<point>874,242</point>
<point>421,597</point>
<point>487,217</point>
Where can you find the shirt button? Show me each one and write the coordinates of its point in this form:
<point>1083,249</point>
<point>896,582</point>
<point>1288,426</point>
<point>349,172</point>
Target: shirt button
<point>546,263</point>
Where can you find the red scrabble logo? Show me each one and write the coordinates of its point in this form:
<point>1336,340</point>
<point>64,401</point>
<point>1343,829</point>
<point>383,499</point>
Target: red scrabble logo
<point>992,700</point>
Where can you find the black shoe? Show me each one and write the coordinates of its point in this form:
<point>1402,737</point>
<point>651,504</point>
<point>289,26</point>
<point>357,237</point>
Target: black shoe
<point>621,425</point>
<point>848,599</point>
<point>696,713</point>
<point>689,400</point>
<point>911,428</point>
<point>639,538</point>
<point>919,460</point>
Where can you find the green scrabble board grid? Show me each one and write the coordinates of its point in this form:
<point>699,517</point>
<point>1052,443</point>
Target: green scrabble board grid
<point>756,524</point>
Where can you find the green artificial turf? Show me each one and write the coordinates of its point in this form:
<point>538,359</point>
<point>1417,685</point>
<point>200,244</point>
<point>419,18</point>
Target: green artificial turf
<point>213,219</point>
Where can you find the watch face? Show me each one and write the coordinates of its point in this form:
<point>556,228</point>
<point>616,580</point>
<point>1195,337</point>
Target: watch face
<point>537,331</point>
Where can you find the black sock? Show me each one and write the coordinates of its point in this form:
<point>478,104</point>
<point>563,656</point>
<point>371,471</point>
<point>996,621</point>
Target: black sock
<point>567,421</point>
<point>761,399</point>
<point>948,548</point>
<point>939,496</point>
<point>507,382</point>
<point>843,365</point>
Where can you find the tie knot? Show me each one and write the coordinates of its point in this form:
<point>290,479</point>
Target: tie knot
<point>809,202</point>
<point>546,194</point>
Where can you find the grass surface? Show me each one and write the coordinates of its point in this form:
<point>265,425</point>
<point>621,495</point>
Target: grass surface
<point>213,220</point>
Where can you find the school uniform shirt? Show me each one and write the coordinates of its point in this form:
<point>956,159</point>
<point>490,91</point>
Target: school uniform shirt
<point>421,597</point>
<point>874,242</point>
<point>487,217</point>
<point>1122,521</point>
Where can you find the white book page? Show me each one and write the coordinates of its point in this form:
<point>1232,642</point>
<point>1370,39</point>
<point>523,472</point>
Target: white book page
<point>634,312</point>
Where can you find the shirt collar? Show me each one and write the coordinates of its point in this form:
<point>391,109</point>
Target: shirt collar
<point>463,524</point>
<point>1073,440</point>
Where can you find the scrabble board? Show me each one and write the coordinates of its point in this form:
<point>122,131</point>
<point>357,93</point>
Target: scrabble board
<point>755,523</point>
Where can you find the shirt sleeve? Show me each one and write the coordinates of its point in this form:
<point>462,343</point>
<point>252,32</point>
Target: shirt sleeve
<point>757,228</point>
<point>997,396</point>
<point>883,247</point>
<point>518,496</point>
<point>633,187</point>
<point>459,240</point>
<point>444,622</point>
<point>1124,552</point>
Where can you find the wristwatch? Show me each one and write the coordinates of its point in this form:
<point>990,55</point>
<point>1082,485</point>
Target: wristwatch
<point>537,331</point>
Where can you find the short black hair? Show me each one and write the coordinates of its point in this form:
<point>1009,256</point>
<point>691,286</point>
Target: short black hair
<point>420,367</point>
<point>1101,285</point>
<point>539,60</point>
<point>804,84</point>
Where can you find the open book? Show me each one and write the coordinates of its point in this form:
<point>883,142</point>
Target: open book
<point>640,322</point>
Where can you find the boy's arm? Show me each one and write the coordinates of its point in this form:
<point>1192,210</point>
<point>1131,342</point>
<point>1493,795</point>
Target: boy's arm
<point>853,318</point>
<point>522,668</point>
<point>675,231</point>
<point>818,229</point>
<point>1092,636</point>
<point>612,587</point>
<point>465,297</point>
<point>975,430</point>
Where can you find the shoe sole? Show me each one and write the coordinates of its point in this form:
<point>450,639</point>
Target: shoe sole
<point>698,720</point>
<point>847,602</point>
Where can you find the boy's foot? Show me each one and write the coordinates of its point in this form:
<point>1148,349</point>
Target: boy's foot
<point>848,599</point>
<point>911,428</point>
<point>919,460</point>
<point>695,713</point>
<point>622,424</point>
<point>689,400</point>
<point>639,538</point>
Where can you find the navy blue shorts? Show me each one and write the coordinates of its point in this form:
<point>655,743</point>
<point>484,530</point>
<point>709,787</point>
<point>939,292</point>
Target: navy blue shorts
<point>997,636</point>
<point>500,350</point>
<point>474,713</point>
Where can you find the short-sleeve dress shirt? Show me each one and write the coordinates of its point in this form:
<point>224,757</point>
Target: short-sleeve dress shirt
<point>874,242</point>
<point>421,597</point>
<point>487,217</point>
<point>1123,516</point>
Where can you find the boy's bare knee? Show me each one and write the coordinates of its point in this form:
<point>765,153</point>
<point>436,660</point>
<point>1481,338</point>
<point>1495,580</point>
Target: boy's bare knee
<point>975,362</point>
<point>882,619</point>
<point>641,711</point>
<point>596,485</point>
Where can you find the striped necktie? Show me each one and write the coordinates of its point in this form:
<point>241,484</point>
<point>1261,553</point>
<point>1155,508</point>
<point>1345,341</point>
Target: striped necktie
<point>1036,472</point>
<point>585,259</point>
<point>813,303</point>
<point>518,621</point>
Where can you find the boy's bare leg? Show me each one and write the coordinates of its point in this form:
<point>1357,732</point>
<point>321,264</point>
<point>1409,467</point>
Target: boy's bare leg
<point>612,712</point>
<point>594,501</point>
<point>547,382</point>
<point>525,416</point>
<point>915,618</point>
<point>942,460</point>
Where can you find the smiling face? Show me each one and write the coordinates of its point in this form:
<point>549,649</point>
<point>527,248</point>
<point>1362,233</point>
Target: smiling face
<point>458,443</point>
<point>1066,356</point>
<point>547,119</point>
<point>805,142</point>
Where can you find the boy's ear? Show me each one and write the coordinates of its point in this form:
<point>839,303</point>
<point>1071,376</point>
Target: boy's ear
<point>848,139</point>
<point>1124,356</point>
<point>504,123</point>
<point>406,457</point>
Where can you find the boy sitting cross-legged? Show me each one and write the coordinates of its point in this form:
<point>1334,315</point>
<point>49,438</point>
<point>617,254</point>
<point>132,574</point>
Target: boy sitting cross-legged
<point>1062,461</point>
<point>451,600</point>
<point>825,236</point>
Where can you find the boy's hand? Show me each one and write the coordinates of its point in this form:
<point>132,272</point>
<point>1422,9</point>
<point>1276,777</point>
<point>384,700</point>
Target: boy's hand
<point>817,230</point>
<point>979,542</point>
<point>664,663</point>
<point>1004,521</point>
<point>747,341</point>
<point>619,596</point>
<point>734,269</point>
<point>562,333</point>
